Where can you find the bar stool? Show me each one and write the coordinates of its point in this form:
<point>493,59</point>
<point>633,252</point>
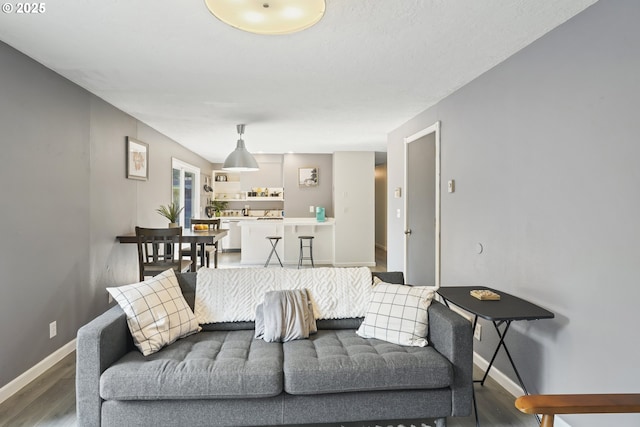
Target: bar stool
<point>310,246</point>
<point>274,242</point>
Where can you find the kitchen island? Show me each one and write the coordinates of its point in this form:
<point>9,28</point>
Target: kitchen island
<point>256,248</point>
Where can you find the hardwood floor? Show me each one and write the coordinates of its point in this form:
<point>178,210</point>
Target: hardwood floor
<point>49,401</point>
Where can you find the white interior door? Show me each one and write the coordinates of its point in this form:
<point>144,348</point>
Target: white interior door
<point>422,207</point>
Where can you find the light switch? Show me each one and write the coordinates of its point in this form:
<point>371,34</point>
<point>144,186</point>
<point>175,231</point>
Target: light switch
<point>397,193</point>
<point>452,186</point>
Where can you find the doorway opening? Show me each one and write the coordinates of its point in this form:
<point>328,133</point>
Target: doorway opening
<point>381,211</point>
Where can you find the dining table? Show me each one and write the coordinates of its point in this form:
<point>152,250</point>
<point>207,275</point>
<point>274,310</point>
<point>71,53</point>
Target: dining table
<point>192,237</point>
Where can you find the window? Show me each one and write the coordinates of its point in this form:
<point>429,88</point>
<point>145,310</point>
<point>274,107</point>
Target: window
<point>185,188</point>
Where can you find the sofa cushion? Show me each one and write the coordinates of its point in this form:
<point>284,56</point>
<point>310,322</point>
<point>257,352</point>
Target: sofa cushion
<point>229,364</point>
<point>398,314</point>
<point>157,313</point>
<point>335,361</point>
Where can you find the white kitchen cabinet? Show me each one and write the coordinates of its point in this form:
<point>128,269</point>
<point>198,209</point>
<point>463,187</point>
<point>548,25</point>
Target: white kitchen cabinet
<point>269,175</point>
<point>255,246</point>
<point>233,239</point>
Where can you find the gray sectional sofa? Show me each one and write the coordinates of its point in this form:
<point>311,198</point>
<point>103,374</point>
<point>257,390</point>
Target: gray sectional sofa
<point>222,376</point>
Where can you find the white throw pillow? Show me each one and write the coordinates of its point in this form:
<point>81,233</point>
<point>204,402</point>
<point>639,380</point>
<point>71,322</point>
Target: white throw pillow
<point>398,314</point>
<point>157,313</point>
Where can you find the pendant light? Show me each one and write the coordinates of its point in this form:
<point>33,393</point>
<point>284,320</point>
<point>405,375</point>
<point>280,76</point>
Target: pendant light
<point>240,160</point>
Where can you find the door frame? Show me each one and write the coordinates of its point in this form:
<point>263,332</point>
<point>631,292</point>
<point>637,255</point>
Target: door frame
<point>183,167</point>
<point>435,129</point>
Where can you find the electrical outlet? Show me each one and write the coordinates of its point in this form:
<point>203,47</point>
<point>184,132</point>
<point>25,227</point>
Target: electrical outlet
<point>53,329</point>
<point>477,334</point>
<point>312,209</point>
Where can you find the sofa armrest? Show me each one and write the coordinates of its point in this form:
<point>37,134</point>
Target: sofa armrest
<point>450,334</point>
<point>99,344</point>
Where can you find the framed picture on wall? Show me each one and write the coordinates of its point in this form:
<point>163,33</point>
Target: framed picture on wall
<point>137,159</point>
<point>308,177</point>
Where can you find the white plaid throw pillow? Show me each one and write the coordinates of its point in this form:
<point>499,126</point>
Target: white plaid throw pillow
<point>157,313</point>
<point>398,314</point>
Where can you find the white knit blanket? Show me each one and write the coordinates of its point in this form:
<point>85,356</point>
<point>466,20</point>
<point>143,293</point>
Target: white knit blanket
<point>232,295</point>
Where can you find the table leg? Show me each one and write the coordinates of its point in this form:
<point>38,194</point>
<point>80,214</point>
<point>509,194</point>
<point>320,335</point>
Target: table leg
<point>502,344</point>
<point>495,353</point>
<point>215,256</point>
<point>203,255</point>
<point>194,257</point>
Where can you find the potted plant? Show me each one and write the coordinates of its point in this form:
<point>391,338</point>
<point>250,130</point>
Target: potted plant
<point>219,205</point>
<point>171,212</point>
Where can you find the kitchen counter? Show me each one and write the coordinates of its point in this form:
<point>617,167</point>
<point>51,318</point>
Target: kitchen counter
<point>256,248</point>
<point>308,221</point>
<point>233,240</point>
<point>287,221</point>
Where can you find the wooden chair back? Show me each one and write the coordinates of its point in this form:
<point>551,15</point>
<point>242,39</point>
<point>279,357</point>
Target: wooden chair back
<point>214,224</point>
<point>159,249</point>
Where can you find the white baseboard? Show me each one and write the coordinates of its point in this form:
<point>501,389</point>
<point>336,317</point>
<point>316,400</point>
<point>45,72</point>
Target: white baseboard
<point>17,384</point>
<point>507,383</point>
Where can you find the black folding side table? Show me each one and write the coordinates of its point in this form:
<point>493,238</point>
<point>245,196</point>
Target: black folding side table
<point>503,311</point>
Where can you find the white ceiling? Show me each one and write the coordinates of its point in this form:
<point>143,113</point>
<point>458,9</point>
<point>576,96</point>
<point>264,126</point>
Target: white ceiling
<point>367,67</point>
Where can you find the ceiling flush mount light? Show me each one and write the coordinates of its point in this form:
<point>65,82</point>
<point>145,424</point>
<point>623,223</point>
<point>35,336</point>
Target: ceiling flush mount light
<point>268,16</point>
<point>240,159</point>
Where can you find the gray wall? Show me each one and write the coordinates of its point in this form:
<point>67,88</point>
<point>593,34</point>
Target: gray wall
<point>298,199</point>
<point>269,174</point>
<point>544,150</point>
<point>65,198</point>
<point>44,256</point>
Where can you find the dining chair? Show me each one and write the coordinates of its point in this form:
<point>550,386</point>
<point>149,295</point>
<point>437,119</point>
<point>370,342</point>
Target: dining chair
<point>160,249</point>
<point>213,224</point>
